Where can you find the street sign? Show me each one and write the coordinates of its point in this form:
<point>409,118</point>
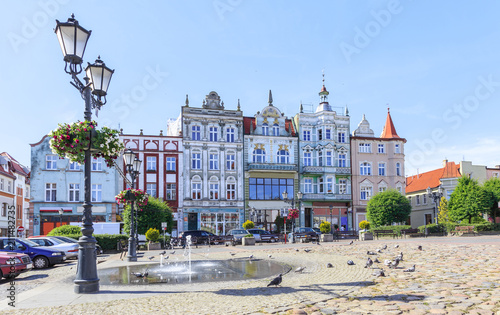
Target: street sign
<point>164,225</point>
<point>284,212</point>
<point>20,229</point>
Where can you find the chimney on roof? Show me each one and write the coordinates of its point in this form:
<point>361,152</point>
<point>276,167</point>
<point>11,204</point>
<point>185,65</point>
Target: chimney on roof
<point>445,162</point>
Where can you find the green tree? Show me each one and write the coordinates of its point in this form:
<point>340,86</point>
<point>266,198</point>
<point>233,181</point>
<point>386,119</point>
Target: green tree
<point>388,207</point>
<point>492,186</point>
<point>468,200</point>
<point>150,216</point>
<point>443,211</point>
<point>280,223</point>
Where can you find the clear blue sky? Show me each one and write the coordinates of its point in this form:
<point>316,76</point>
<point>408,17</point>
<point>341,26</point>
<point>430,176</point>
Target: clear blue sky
<point>435,63</point>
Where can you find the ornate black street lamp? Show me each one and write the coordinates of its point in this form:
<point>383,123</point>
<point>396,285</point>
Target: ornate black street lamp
<point>436,196</point>
<point>331,219</point>
<point>133,165</point>
<point>73,40</point>
<point>61,211</point>
<point>292,203</point>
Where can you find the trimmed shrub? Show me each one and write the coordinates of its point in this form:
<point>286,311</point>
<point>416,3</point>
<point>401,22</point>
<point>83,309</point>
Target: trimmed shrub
<point>64,230</point>
<point>152,235</point>
<point>325,227</point>
<point>433,228</point>
<point>394,228</point>
<point>109,241</point>
<point>248,225</point>
<point>364,225</point>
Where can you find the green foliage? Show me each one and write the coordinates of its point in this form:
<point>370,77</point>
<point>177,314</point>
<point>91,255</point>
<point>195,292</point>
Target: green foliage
<point>109,241</point>
<point>364,225</point>
<point>443,211</point>
<point>388,207</point>
<point>152,235</point>
<point>433,228</point>
<point>279,221</point>
<point>151,216</point>
<point>248,225</point>
<point>492,187</point>
<point>64,230</point>
<point>395,228</point>
<point>248,235</point>
<point>478,220</point>
<point>325,227</point>
<point>468,200</point>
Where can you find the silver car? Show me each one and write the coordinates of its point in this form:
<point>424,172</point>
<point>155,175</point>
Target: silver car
<point>70,249</point>
<point>238,234</point>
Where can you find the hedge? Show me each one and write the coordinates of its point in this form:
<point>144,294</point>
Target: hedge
<point>450,227</point>
<point>394,228</point>
<point>106,241</point>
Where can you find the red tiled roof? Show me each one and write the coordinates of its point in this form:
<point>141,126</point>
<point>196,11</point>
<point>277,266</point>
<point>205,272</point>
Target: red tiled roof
<point>8,174</point>
<point>389,130</point>
<point>15,164</point>
<point>432,178</point>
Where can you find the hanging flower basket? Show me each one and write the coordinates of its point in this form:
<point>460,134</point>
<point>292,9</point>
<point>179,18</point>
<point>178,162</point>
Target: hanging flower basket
<point>71,140</point>
<point>293,214</point>
<point>127,196</point>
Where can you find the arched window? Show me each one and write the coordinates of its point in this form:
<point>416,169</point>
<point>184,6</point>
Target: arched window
<point>265,129</point>
<point>283,157</point>
<point>259,156</point>
<point>231,188</point>
<point>196,188</point>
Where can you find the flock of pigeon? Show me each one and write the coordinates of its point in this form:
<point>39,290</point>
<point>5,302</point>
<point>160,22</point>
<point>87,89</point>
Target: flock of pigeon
<point>390,263</point>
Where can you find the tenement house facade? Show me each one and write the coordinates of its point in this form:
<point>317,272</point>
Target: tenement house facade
<point>213,193</point>
<point>325,174</point>
<point>270,163</point>
<point>377,164</point>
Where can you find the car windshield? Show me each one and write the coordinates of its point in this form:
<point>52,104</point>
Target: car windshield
<point>238,232</point>
<point>55,240</point>
<point>66,239</point>
<point>29,243</point>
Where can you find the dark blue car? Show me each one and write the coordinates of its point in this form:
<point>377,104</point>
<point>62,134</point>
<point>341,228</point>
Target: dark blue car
<point>41,256</point>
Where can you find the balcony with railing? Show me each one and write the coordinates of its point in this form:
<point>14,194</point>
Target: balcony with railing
<point>326,197</point>
<point>326,169</point>
<point>272,167</point>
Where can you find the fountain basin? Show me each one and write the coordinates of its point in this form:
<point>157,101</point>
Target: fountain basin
<point>201,271</point>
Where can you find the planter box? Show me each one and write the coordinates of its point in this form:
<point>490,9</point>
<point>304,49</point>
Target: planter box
<point>326,237</point>
<point>367,236</point>
<point>246,241</point>
<point>154,246</point>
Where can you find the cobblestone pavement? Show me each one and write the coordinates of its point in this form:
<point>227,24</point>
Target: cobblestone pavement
<point>453,276</point>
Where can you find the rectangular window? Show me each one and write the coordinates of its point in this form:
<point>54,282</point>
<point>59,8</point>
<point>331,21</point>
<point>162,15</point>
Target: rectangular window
<point>230,162</point>
<point>196,191</point>
<point>195,133</point>
<point>196,161</point>
<point>365,148</point>
<point>366,192</point>
<point>171,192</point>
<point>97,164</point>
<point>341,137</point>
<point>381,148</point>
<point>321,185</point>
<point>231,191</point>
<point>9,186</point>
<point>230,135</point>
<point>397,148</point>
<point>328,134</point>
<point>4,209</point>
<point>214,161</point>
<point>307,135</point>
<point>381,169</point>
<point>365,169</point>
<point>151,190</point>
<point>151,163</point>
<point>307,159</point>
<point>418,199</point>
<point>320,158</point>
<point>342,186</point>
<point>308,186</point>
<point>50,192</point>
<point>74,192</point>
<point>96,192</point>
<point>320,134</point>
<point>171,161</point>
<point>1,184</point>
<point>269,188</point>
<point>74,166</point>
<point>382,188</point>
<point>214,191</point>
<point>51,162</point>
<point>424,199</point>
<point>329,185</point>
<point>276,130</point>
<point>342,160</point>
<point>213,132</point>
<point>329,158</point>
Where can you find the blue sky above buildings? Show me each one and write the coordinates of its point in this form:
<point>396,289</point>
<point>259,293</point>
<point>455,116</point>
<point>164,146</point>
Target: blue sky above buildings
<point>436,65</point>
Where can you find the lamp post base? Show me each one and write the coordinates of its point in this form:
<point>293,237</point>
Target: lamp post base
<point>86,280</point>
<point>86,286</point>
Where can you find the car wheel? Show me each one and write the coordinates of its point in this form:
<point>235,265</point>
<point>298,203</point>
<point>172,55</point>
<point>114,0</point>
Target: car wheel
<point>40,262</point>
<point>1,274</point>
<point>272,240</point>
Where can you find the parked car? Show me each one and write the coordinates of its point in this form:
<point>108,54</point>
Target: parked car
<point>41,256</point>
<point>306,234</point>
<point>263,235</point>
<point>201,237</point>
<point>238,234</point>
<point>12,264</point>
<point>317,230</point>
<point>72,240</point>
<point>70,249</point>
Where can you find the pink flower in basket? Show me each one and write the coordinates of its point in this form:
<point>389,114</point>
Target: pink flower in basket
<point>293,214</point>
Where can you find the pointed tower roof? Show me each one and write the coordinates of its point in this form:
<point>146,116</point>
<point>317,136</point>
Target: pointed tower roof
<point>389,130</point>
<point>323,95</point>
<point>270,101</point>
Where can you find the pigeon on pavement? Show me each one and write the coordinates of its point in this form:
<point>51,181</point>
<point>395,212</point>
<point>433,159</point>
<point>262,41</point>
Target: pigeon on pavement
<point>371,253</point>
<point>140,274</point>
<point>400,256</point>
<point>411,269</point>
<point>350,262</point>
<point>379,250</point>
<point>352,242</point>
<point>379,273</point>
<point>369,263</point>
<point>151,257</point>
<point>300,269</point>
<point>172,252</point>
<point>419,247</point>
<point>250,257</point>
<point>396,246</point>
<point>270,256</point>
<point>276,281</point>
<point>376,260</point>
<point>307,250</point>
<point>385,246</point>
<point>163,253</point>
<point>329,265</point>
<point>388,262</point>
<point>395,263</point>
